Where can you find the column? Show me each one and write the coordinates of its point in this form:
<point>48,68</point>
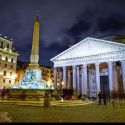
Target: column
<point>60,76</point>
<point>123,74</point>
<point>110,69</point>
<point>55,76</point>
<point>74,77</point>
<point>64,77</point>
<point>97,77</point>
<point>115,76</point>
<point>84,79</point>
<point>78,86</point>
<point>69,80</point>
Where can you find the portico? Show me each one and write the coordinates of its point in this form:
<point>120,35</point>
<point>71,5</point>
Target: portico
<point>91,66</point>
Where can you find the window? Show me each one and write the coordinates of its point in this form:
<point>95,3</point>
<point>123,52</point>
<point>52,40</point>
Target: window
<point>3,80</point>
<point>6,58</point>
<point>5,65</point>
<point>9,81</point>
<point>10,73</point>
<point>11,59</point>
<point>11,66</point>
<point>1,45</point>
<point>4,73</point>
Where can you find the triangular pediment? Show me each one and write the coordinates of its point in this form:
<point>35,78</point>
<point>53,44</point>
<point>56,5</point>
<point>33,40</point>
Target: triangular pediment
<point>90,46</point>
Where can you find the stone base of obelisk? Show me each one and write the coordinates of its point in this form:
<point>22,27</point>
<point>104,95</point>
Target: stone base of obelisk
<point>31,87</point>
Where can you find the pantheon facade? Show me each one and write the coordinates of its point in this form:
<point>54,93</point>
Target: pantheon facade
<point>90,66</point>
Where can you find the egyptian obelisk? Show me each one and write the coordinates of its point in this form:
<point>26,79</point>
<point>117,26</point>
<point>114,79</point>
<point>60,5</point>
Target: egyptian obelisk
<point>34,57</point>
<point>33,75</point>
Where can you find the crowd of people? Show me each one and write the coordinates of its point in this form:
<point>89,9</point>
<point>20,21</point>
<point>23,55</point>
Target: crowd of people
<point>114,97</point>
<point>103,98</point>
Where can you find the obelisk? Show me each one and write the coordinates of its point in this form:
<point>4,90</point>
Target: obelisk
<point>33,75</point>
<point>34,57</point>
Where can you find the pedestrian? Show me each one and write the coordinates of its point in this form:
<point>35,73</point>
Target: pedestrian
<point>104,99</point>
<point>123,97</point>
<point>3,93</point>
<point>113,98</point>
<point>83,97</point>
<point>100,97</point>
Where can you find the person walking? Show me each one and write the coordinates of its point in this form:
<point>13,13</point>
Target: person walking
<point>100,98</point>
<point>113,98</point>
<point>104,99</point>
<point>3,93</point>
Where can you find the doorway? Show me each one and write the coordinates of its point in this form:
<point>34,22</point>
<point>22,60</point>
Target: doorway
<point>104,85</point>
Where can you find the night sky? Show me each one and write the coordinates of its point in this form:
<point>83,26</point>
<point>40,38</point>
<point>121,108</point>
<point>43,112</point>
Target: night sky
<point>62,23</point>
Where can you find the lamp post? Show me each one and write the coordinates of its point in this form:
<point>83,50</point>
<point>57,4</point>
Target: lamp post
<point>62,83</point>
<point>58,86</point>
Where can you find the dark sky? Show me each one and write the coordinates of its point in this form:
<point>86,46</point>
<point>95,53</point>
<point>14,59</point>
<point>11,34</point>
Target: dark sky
<point>62,23</point>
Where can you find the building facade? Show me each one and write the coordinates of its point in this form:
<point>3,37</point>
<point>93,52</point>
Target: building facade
<point>91,66</point>
<point>8,61</point>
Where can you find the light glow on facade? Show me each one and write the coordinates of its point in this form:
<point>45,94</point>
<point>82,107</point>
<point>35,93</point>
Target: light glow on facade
<point>84,62</point>
<point>6,66</point>
<point>3,57</point>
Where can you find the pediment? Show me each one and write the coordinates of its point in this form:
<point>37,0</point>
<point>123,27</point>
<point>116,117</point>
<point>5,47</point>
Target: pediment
<point>90,46</point>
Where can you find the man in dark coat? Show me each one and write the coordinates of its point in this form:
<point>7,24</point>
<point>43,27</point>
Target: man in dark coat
<point>100,97</point>
<point>104,98</point>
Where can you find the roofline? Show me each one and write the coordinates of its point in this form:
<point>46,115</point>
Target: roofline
<point>85,40</point>
<point>108,41</point>
<point>5,39</point>
<point>68,49</point>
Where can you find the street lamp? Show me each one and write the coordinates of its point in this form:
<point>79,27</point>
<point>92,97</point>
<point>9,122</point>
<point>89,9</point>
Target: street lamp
<point>62,85</point>
<point>58,86</point>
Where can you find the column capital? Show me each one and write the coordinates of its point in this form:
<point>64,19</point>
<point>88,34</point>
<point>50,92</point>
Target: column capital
<point>77,68</point>
<point>64,67</point>
<point>84,65</point>
<point>123,61</point>
<point>74,66</point>
<point>97,64</point>
<point>109,63</point>
<point>55,68</point>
